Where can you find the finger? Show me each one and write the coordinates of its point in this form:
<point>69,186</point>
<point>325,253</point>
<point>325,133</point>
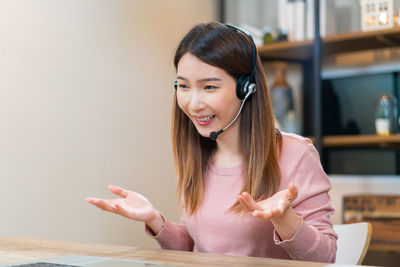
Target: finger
<point>118,191</point>
<point>89,199</point>
<point>93,200</point>
<point>251,202</point>
<point>103,204</point>
<point>244,203</point>
<point>265,215</point>
<point>292,192</point>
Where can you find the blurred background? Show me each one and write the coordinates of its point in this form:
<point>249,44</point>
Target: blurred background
<point>86,90</point>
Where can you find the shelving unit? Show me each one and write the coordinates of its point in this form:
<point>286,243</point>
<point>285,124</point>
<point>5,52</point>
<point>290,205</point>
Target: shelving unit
<point>364,140</point>
<point>301,52</point>
<point>361,141</point>
<point>339,43</point>
<point>309,54</point>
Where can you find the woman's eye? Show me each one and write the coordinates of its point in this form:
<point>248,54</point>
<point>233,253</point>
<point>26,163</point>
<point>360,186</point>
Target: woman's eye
<point>182,86</point>
<point>210,87</point>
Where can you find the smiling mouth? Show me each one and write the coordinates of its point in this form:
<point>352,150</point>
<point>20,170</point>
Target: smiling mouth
<point>205,118</point>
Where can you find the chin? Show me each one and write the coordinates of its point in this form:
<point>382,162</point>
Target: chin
<point>203,133</point>
<point>206,135</point>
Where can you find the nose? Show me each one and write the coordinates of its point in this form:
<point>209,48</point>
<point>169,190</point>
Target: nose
<point>196,101</point>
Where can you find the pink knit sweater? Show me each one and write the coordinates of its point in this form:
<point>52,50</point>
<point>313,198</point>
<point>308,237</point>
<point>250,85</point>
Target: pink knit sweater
<point>213,230</point>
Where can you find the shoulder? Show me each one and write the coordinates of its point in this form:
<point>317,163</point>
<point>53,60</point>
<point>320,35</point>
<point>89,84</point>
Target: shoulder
<point>294,145</point>
<point>298,155</point>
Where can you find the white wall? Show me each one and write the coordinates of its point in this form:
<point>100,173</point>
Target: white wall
<point>85,101</point>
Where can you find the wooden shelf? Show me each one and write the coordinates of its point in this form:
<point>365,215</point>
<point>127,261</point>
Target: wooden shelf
<point>384,247</point>
<point>332,44</point>
<point>296,51</point>
<point>361,140</point>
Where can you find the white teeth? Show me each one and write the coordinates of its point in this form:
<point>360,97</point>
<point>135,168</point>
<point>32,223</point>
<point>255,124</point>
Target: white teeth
<point>206,118</point>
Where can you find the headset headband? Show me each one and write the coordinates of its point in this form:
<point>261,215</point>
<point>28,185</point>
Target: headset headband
<point>253,47</point>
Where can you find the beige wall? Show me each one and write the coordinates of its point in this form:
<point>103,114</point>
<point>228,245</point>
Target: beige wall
<point>85,100</point>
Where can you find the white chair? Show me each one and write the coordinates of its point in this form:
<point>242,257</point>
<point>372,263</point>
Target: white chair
<point>353,241</point>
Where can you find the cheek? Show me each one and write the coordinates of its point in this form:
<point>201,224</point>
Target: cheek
<point>229,104</point>
<point>182,102</point>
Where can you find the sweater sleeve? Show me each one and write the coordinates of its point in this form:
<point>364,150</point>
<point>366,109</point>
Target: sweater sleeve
<point>173,236</point>
<point>315,240</point>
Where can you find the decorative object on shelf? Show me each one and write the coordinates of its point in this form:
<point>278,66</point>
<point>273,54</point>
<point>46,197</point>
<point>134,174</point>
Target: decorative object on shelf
<point>274,35</point>
<point>376,14</point>
<point>282,101</point>
<point>290,123</point>
<point>386,114</point>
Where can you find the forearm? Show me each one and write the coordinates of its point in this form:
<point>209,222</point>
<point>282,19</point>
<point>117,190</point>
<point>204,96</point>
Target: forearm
<point>156,224</point>
<point>170,235</point>
<point>303,241</point>
<point>287,224</point>
<point>309,244</point>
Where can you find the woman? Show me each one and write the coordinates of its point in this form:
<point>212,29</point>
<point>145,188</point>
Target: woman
<point>249,189</point>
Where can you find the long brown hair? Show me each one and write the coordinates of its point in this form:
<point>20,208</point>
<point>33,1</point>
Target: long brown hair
<point>223,47</point>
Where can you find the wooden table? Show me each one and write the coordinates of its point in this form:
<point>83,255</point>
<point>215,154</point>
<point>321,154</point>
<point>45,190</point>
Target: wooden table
<point>14,250</point>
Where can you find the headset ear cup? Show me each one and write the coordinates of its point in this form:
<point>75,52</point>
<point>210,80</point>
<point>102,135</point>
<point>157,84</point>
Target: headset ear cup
<point>241,91</point>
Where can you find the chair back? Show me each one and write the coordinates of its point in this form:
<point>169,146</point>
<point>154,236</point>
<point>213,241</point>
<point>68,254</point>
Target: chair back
<point>353,241</point>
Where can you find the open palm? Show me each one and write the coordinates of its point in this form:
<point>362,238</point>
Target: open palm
<point>132,205</point>
<point>275,206</point>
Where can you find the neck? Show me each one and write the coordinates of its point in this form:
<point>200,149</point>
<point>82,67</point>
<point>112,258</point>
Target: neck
<point>228,152</point>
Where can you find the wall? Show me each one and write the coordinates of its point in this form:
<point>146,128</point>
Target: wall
<point>85,101</point>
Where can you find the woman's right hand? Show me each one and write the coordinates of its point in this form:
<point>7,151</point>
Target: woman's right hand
<point>132,205</point>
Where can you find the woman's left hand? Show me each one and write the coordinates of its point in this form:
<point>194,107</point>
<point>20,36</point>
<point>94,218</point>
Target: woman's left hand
<point>270,208</point>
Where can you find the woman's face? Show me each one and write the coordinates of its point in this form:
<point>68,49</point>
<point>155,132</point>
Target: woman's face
<point>207,95</point>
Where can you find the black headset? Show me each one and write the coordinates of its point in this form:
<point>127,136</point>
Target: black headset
<point>245,84</point>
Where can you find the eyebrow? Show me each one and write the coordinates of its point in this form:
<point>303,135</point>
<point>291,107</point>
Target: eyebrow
<point>201,80</point>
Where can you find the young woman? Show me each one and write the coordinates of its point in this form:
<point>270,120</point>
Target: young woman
<point>249,189</point>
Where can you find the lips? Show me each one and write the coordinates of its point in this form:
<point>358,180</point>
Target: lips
<point>204,120</point>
